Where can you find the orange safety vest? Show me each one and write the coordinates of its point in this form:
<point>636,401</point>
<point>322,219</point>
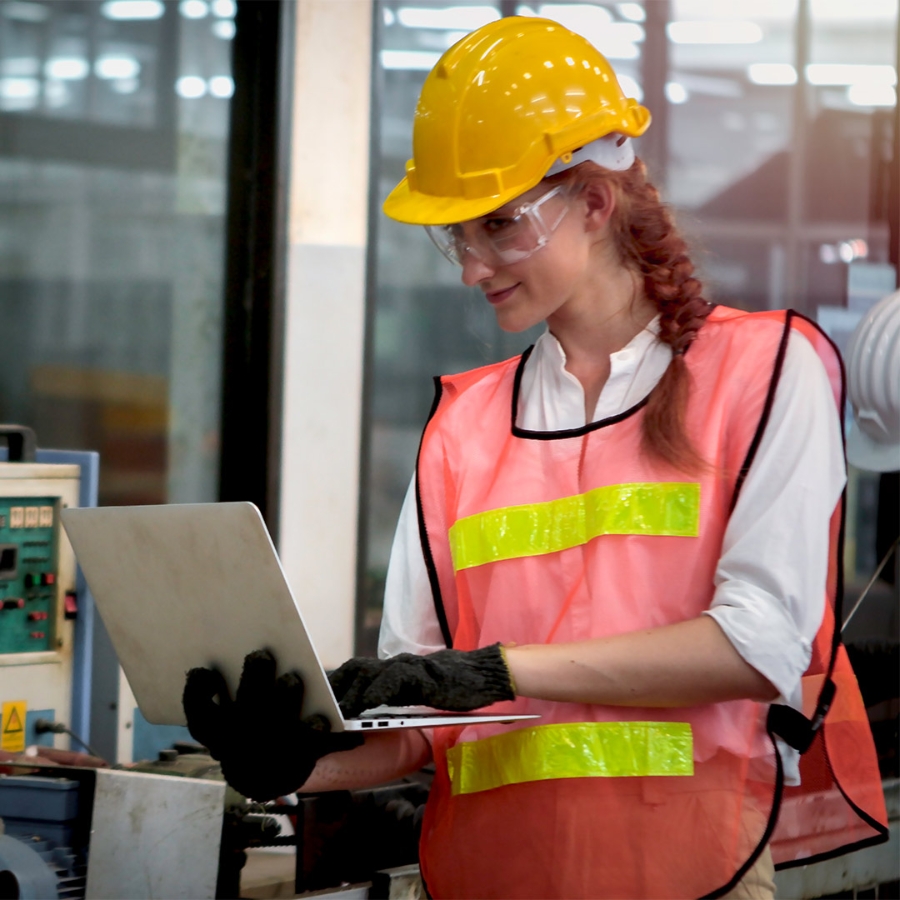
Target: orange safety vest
<point>552,537</point>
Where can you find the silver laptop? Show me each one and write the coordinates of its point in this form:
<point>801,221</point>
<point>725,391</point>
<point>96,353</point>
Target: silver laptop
<point>201,585</point>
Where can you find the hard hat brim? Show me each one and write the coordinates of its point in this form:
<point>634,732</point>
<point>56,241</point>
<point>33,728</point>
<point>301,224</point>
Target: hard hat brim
<point>415,208</point>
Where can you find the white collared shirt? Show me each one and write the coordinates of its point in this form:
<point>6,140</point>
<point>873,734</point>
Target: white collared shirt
<point>770,579</point>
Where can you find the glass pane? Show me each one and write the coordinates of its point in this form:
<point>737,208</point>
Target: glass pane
<point>112,201</point>
<point>852,78</point>
<point>730,126</point>
<point>425,322</point>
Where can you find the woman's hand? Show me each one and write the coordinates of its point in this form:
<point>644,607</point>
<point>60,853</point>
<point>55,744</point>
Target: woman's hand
<point>687,664</point>
<point>292,745</point>
<point>457,680</point>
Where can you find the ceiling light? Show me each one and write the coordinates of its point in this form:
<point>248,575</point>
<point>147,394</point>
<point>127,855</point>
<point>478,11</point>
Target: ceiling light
<point>714,32</point>
<point>625,31</point>
<point>224,9</point>
<point>772,73</point>
<point>634,12</point>
<point>25,12</point>
<point>618,40</point>
<point>190,87</point>
<point>615,40</point>
<point>224,29</point>
<point>193,9</point>
<point>617,49</point>
<point>221,86</point>
<point>133,9</point>
<point>66,68</point>
<point>871,95</point>
<point>676,93</point>
<point>451,18</point>
<point>844,73</point>
<point>414,60</point>
<point>19,88</point>
<point>117,67</point>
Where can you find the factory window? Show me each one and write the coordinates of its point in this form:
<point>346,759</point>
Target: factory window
<point>114,119</point>
<point>780,148</point>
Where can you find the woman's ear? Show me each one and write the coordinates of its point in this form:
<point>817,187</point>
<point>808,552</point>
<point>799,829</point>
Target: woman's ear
<point>600,201</point>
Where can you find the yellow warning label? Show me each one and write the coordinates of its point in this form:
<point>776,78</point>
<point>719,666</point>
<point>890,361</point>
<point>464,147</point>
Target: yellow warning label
<point>12,729</point>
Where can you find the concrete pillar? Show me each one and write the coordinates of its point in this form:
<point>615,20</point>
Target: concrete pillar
<point>324,320</point>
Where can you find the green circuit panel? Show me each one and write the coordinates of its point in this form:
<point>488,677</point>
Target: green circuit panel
<point>28,573</point>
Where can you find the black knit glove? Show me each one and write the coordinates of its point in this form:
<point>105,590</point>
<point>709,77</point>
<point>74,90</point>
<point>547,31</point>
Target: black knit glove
<point>457,680</point>
<point>266,749</point>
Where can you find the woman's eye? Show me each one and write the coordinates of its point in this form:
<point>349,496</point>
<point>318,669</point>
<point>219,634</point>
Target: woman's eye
<point>498,225</point>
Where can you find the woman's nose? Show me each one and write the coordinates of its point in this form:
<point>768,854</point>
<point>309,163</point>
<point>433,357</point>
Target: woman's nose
<point>474,270</point>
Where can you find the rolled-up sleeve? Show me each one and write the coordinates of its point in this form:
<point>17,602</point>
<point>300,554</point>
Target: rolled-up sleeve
<point>770,579</point>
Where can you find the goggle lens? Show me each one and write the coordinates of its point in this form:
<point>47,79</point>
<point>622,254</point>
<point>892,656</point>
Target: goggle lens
<point>505,239</point>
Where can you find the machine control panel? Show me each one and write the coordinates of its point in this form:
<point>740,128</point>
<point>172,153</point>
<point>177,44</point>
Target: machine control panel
<point>29,536</point>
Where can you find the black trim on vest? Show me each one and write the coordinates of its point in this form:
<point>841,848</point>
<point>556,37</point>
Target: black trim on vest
<point>791,726</point>
<point>423,531</point>
<point>766,835</point>
<point>767,409</point>
<point>839,588</point>
<point>795,729</point>
<point>882,833</point>
<point>563,433</point>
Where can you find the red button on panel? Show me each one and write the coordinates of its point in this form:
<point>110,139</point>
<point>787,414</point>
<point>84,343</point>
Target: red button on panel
<point>48,578</point>
<point>37,616</point>
<point>13,603</point>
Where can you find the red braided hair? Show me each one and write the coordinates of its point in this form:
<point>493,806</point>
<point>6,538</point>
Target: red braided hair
<point>649,243</point>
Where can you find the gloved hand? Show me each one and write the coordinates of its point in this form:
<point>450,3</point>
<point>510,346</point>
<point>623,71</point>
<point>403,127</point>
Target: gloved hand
<point>266,749</point>
<point>457,680</point>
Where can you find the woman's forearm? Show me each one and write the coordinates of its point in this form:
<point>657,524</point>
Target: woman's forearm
<point>687,664</point>
<point>383,757</point>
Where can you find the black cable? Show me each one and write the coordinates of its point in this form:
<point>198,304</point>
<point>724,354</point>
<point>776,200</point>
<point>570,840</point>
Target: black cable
<point>44,726</point>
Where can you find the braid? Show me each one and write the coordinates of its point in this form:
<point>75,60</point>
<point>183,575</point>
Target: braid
<point>649,242</point>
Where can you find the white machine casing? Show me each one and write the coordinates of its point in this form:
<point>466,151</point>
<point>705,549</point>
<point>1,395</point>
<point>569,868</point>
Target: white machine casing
<point>43,679</point>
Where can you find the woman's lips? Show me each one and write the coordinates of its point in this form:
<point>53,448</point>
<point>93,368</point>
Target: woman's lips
<point>496,297</point>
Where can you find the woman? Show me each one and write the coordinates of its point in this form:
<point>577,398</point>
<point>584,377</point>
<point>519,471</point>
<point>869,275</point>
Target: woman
<point>625,531</point>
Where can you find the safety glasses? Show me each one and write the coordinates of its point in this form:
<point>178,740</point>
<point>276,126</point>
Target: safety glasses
<point>503,238</point>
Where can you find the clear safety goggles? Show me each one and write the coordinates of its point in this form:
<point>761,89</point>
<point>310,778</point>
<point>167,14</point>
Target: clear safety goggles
<point>503,238</point>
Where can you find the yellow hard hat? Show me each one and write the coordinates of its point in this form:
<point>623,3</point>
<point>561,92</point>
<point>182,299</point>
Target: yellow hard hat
<point>498,110</point>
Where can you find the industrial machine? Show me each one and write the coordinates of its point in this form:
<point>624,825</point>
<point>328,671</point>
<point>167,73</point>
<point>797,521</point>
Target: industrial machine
<point>101,833</point>
<point>172,828</point>
<point>38,597</point>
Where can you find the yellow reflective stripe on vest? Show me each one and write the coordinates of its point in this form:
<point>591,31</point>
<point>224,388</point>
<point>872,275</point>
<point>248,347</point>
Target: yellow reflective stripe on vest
<point>664,508</point>
<point>571,750</point>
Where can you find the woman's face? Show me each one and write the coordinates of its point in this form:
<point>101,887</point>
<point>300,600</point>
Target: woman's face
<point>537,288</point>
